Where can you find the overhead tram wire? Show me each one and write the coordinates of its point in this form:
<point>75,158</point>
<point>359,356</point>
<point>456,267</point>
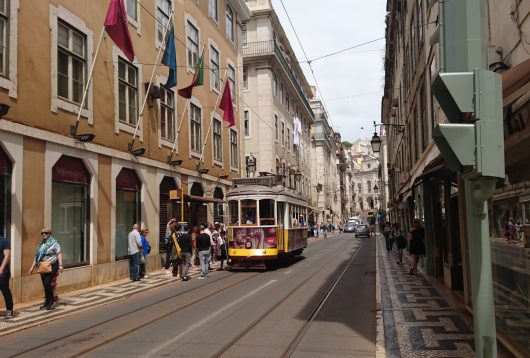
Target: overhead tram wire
<point>309,64</point>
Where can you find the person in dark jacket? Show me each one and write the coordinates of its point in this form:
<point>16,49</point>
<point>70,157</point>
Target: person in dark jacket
<point>184,241</point>
<point>203,247</point>
<point>5,274</point>
<point>417,244</point>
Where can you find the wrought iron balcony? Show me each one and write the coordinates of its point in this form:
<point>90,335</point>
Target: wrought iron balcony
<point>271,47</point>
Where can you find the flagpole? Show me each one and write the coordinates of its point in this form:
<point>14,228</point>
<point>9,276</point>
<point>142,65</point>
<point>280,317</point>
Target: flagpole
<point>150,82</point>
<point>183,113</point>
<point>211,120</point>
<point>88,81</point>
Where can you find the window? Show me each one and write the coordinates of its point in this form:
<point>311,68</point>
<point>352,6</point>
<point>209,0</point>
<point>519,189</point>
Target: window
<point>71,62</point>
<point>212,9</point>
<point>369,185</point>
<point>274,85</point>
<point>234,157</point>
<point>283,134</point>
<point>276,127</point>
<point>231,74</point>
<point>70,209</point>
<point>245,77</point>
<point>233,209</point>
<point>288,139</point>
<point>214,68</point>
<point>217,141</point>
<point>192,44</point>
<point>128,188</point>
<point>132,9</point>
<point>167,114</point>
<point>246,122</point>
<point>229,23</point>
<point>4,37</point>
<point>195,128</point>
<point>163,10</point>
<point>127,92</point>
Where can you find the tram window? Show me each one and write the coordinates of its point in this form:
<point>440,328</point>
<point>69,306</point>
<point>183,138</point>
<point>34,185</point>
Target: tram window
<point>232,208</point>
<point>266,212</point>
<point>248,212</point>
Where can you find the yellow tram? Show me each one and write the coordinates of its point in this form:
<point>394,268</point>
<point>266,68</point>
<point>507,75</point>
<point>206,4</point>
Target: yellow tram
<point>266,221</point>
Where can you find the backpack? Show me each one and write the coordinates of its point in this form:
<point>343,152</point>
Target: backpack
<point>178,250</point>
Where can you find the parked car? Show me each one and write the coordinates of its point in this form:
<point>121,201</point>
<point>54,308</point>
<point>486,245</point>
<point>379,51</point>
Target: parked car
<point>362,230</point>
<point>349,227</point>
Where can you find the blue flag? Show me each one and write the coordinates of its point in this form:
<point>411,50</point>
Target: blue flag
<point>170,59</point>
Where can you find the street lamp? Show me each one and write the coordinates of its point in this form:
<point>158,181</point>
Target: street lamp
<point>251,165</point>
<point>376,140</point>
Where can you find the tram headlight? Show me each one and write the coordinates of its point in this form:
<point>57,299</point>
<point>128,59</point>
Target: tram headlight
<point>264,252</point>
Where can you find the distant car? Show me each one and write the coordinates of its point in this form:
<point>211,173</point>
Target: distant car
<point>362,230</point>
<point>349,227</point>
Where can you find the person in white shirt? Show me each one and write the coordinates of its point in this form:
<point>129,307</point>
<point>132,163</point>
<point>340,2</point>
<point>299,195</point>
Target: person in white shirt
<point>134,247</point>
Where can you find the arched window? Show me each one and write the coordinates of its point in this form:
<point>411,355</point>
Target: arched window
<point>70,209</point>
<point>128,188</point>
<point>5,193</point>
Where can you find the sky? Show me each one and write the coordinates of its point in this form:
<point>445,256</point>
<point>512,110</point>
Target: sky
<point>350,83</point>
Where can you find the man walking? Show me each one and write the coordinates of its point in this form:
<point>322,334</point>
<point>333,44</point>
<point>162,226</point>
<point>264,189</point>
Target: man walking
<point>5,275</point>
<point>203,246</point>
<point>134,248</point>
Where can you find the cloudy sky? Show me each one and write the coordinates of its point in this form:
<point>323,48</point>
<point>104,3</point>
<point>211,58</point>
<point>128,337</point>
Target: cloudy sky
<point>350,83</point>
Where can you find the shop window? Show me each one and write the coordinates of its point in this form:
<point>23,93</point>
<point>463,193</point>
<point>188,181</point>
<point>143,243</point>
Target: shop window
<point>218,215</point>
<point>70,209</point>
<point>128,188</point>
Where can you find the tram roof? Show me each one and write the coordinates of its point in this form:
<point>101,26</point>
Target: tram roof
<point>278,192</point>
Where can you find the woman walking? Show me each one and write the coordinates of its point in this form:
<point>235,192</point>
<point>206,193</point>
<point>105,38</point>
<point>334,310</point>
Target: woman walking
<point>49,261</point>
<point>417,244</point>
<point>146,249</point>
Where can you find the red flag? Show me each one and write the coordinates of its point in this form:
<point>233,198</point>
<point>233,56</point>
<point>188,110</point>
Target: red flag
<point>198,80</point>
<point>116,27</point>
<point>226,106</point>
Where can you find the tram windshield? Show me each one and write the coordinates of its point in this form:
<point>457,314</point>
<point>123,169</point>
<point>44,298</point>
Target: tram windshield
<point>266,212</point>
<point>233,212</point>
<point>248,212</point>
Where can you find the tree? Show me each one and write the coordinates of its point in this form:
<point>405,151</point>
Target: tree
<point>346,144</point>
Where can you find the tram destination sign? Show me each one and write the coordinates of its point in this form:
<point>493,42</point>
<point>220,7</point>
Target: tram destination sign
<point>269,180</point>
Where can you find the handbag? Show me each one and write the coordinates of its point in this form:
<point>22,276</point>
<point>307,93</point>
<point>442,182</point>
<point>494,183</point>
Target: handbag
<point>44,267</point>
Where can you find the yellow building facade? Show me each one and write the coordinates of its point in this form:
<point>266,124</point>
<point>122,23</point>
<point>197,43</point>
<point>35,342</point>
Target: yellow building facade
<point>92,187</point>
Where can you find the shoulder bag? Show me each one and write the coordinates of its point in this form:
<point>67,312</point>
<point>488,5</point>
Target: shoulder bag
<point>44,267</point>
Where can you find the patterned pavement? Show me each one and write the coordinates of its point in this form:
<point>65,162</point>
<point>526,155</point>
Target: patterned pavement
<point>417,321</point>
<point>30,315</point>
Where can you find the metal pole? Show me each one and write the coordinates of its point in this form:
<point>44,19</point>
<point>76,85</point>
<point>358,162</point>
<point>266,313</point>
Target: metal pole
<point>477,191</point>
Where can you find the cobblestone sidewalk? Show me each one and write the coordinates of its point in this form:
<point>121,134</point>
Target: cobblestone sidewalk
<point>418,322</point>
<point>30,315</point>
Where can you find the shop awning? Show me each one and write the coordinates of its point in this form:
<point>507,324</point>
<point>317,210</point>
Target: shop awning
<point>515,82</point>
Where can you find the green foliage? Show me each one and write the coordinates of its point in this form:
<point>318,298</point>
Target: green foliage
<point>346,144</point>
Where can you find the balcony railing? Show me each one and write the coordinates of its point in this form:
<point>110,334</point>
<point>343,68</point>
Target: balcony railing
<point>270,47</point>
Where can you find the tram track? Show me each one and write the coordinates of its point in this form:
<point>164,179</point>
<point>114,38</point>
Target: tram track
<point>302,331</point>
<point>86,331</point>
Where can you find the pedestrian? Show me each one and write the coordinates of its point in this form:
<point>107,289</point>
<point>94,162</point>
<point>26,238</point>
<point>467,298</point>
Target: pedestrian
<point>176,253</point>
<point>194,255</point>
<point>400,242</point>
<point>417,244</point>
<point>203,247</point>
<point>5,275</point>
<point>134,248</point>
<point>222,250</point>
<point>146,250</point>
<point>389,240</point>
<point>184,241</point>
<point>48,261</point>
<point>168,244</point>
